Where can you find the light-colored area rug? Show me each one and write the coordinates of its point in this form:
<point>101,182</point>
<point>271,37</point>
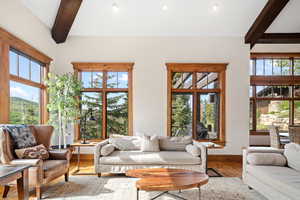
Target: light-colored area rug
<point>123,188</point>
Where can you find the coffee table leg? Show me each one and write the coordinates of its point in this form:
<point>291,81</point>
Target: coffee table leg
<point>199,193</point>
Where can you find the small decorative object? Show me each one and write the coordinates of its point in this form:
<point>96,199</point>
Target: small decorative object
<point>84,119</point>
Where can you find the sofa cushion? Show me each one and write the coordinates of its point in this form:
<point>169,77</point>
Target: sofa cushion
<point>107,149</point>
<point>193,150</point>
<point>51,167</point>
<point>174,143</point>
<point>283,179</point>
<point>126,143</point>
<point>149,158</point>
<point>150,144</point>
<point>292,153</point>
<point>275,159</point>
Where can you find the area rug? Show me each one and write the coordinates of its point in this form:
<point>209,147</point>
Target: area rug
<point>123,188</point>
<point>211,172</point>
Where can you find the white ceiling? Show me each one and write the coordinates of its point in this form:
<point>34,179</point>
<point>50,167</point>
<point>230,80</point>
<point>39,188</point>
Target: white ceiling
<point>183,17</point>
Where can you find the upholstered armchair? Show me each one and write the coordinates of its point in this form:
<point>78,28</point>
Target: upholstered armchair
<point>42,171</point>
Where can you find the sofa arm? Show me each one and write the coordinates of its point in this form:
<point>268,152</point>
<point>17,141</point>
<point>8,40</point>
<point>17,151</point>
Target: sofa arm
<point>64,154</point>
<point>203,154</point>
<point>98,150</point>
<point>263,150</point>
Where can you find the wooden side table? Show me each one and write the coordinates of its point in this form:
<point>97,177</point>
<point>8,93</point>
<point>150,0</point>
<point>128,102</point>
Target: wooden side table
<point>9,173</point>
<point>77,146</point>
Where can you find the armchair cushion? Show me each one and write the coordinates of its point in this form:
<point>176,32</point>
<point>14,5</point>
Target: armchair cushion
<point>274,159</point>
<point>52,167</point>
<point>36,152</point>
<point>64,154</point>
<point>107,149</point>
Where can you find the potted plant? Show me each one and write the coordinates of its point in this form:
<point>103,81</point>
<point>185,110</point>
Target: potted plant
<point>63,105</point>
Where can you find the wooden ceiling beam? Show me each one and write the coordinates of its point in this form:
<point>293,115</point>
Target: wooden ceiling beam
<point>264,20</point>
<point>279,38</point>
<point>64,19</point>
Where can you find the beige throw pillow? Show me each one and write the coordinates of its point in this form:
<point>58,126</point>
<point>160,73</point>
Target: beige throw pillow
<point>36,152</point>
<point>150,144</point>
<point>275,159</point>
<point>126,143</point>
<point>107,149</point>
<point>175,143</point>
<point>193,150</point>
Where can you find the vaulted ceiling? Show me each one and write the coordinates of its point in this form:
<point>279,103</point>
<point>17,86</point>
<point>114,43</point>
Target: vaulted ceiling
<point>181,18</point>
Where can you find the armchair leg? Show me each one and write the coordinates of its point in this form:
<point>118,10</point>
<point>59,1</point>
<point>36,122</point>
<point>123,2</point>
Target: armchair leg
<point>67,176</point>
<point>38,191</point>
<point>5,191</point>
<point>99,175</point>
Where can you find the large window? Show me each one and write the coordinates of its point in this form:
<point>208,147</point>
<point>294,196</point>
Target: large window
<point>108,93</point>
<point>274,91</point>
<point>26,89</point>
<point>196,101</point>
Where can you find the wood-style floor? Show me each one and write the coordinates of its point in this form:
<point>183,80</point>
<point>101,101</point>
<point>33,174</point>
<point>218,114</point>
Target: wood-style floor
<point>226,168</point>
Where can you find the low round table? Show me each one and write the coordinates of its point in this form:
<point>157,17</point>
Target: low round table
<point>162,179</point>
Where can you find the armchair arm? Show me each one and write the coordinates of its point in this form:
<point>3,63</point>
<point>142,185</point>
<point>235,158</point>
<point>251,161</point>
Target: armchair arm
<point>32,162</point>
<point>203,154</point>
<point>64,154</point>
<point>98,150</point>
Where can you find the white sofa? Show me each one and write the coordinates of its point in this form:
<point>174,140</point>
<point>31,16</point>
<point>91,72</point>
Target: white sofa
<point>119,161</point>
<point>277,181</point>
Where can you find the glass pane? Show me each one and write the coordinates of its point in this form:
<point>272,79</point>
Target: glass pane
<point>297,113</point>
<point>86,79</point>
<point>272,113</point>
<point>268,67</point>
<point>297,91</point>
<point>207,80</point>
<point>207,116</point>
<point>259,67</point>
<point>273,91</point>
<point>35,72</point>
<point>251,67</point>
<point>24,67</point>
<point>13,63</point>
<point>91,106</point>
<point>277,67</point>
<point>117,80</point>
<point>286,67</point>
<point>117,113</point>
<point>24,104</point>
<point>97,79</point>
<point>251,91</point>
<point>297,66</point>
<point>182,114</point>
<point>182,80</point>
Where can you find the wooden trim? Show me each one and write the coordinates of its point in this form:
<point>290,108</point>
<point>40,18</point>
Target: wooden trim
<point>45,97</point>
<point>260,133</point>
<point>26,81</point>
<point>105,89</point>
<point>113,67</point>
<point>279,38</point>
<point>4,83</point>
<point>274,55</point>
<point>130,103</point>
<point>225,158</point>
<point>194,68</point>
<point>77,126</point>
<point>23,47</point>
<point>274,80</point>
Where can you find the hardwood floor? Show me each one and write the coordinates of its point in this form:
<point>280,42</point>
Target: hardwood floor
<point>226,168</point>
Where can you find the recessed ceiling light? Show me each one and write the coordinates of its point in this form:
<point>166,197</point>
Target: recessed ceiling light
<point>215,7</point>
<point>115,7</point>
<point>164,7</point>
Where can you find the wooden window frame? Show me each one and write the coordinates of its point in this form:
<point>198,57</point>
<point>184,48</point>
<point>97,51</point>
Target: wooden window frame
<point>9,41</point>
<point>195,68</point>
<point>272,80</point>
<point>106,67</point>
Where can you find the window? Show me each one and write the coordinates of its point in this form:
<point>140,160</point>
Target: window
<point>26,89</point>
<point>274,92</point>
<point>196,101</point>
<point>108,92</point>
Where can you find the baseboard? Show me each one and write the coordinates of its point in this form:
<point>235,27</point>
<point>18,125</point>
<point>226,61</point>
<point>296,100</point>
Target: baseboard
<point>220,158</point>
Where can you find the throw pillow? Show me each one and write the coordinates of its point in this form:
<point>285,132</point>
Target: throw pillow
<point>275,159</point>
<point>150,144</point>
<point>107,149</point>
<point>174,143</point>
<point>193,150</point>
<point>21,136</point>
<point>126,143</point>
<point>36,152</point>
<point>292,153</point>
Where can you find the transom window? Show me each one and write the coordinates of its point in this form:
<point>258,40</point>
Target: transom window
<point>107,91</point>
<point>196,101</point>
<point>274,91</point>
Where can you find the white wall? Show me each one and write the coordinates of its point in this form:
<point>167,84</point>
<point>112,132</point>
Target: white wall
<point>18,20</point>
<point>149,76</point>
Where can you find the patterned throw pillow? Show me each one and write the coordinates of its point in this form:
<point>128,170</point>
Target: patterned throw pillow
<point>36,152</point>
<point>21,135</point>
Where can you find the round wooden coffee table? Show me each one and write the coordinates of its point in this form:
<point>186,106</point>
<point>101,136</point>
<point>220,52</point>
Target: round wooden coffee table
<point>162,179</point>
